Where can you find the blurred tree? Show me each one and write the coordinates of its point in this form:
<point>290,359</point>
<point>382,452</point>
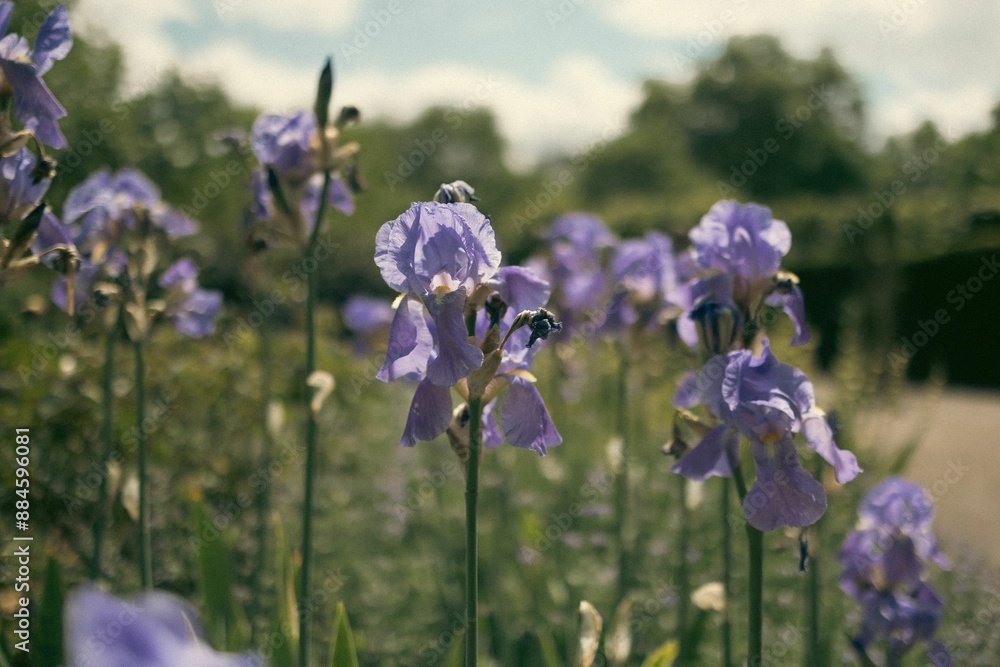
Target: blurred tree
<point>771,124</point>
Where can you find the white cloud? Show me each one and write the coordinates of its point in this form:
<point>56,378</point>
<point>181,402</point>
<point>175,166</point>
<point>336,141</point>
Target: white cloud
<point>576,103</point>
<point>920,59</point>
<point>303,16</point>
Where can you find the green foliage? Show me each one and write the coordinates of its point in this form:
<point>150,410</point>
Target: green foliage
<point>49,644</point>
<point>224,620</point>
<point>344,653</point>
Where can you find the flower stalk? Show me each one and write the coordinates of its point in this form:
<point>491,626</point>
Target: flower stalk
<point>145,530</point>
<point>471,534</point>
<point>107,438</point>
<point>311,430</point>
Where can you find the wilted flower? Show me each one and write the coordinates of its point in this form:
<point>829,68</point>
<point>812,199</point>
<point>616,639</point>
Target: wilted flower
<point>191,309</point>
<point>21,70</point>
<point>444,259</point>
<point>155,630</point>
<point>767,402</point>
<point>884,561</point>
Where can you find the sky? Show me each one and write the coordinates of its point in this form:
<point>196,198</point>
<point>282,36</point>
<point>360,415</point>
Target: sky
<point>561,75</point>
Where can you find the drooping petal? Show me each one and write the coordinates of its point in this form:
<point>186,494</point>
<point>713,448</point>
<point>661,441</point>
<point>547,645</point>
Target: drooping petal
<point>34,103</point>
<point>195,315</point>
<point>794,306</point>
<point>51,233</point>
<point>456,356</point>
<point>410,343</point>
<point>492,437</point>
<point>430,413</point>
<point>784,494</point>
<point>183,273</point>
<point>710,457</point>
<point>54,40</point>
<point>6,9</point>
<point>521,289</point>
<point>820,438</point>
<point>525,420</point>
<point>687,394</point>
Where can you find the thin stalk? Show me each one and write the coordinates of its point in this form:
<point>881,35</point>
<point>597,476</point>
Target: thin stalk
<point>813,652</point>
<point>471,535</point>
<point>145,530</point>
<point>727,576</point>
<point>264,497</point>
<point>683,585</point>
<point>108,440</point>
<point>755,579</point>
<point>310,468</point>
<point>621,481</point>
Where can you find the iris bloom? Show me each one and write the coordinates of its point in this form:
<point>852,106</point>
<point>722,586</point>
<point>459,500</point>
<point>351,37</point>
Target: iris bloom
<point>290,146</point>
<point>444,260</point>
<point>22,68</point>
<point>767,402</point>
<point>577,243</point>
<point>746,244</point>
<point>155,630</point>
<point>191,309</point>
<point>100,213</point>
<point>21,186</point>
<point>644,274</point>
<point>883,561</point>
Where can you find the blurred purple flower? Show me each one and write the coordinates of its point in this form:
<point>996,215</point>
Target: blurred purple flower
<point>286,142</point>
<point>644,274</point>
<point>745,242</point>
<point>191,309</point>
<point>577,242</point>
<point>767,402</point>
<point>365,315</point>
<point>883,570</point>
<point>155,630</point>
<point>21,189</point>
<point>106,205</point>
<point>21,70</point>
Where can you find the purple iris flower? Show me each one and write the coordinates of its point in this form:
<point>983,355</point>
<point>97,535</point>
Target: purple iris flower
<point>577,243</point>
<point>884,571</point>
<point>747,243</point>
<point>21,70</point>
<point>767,402</point>
<point>106,205</point>
<point>444,259</point>
<point>288,143</point>
<point>338,196</point>
<point>365,315</point>
<point>191,309</point>
<point>21,190</point>
<point>645,274</point>
<point>156,629</point>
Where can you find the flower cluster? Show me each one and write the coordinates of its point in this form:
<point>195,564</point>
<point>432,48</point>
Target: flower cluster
<point>443,259</point>
<point>25,173</point>
<point>884,571</point>
<point>115,221</point>
<point>154,629</point>
<point>734,269</point>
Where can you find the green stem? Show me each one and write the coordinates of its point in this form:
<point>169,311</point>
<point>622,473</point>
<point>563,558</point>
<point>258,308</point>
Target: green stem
<point>755,580</point>
<point>108,440</point>
<point>145,530</point>
<point>310,468</point>
<point>814,650</point>
<point>264,498</point>
<point>471,536</point>
<point>727,570</point>
<point>683,585</point>
<point>621,481</point>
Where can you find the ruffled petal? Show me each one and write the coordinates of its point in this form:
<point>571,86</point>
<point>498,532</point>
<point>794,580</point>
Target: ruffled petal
<point>784,495</point>
<point>430,414</point>
<point>710,457</point>
<point>521,289</point>
<point>525,420</point>
<point>456,357</point>
<point>410,343</point>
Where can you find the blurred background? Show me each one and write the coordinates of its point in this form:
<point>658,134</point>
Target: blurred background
<point>871,127</point>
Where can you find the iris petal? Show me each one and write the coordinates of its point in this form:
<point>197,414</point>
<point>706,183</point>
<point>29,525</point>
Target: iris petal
<point>784,494</point>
